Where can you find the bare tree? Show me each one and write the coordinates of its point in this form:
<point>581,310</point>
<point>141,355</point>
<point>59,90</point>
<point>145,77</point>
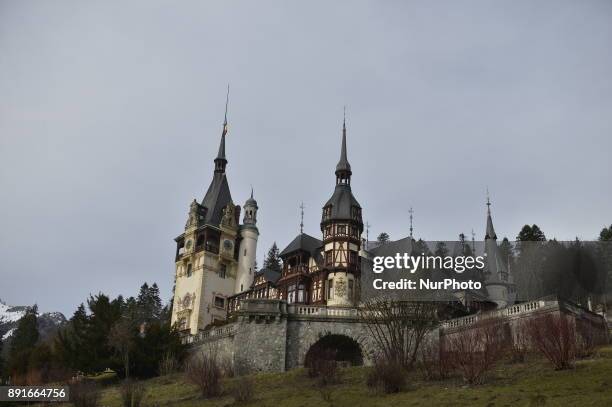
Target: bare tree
<point>476,350</point>
<point>204,371</point>
<point>121,339</point>
<point>554,336</point>
<point>398,327</point>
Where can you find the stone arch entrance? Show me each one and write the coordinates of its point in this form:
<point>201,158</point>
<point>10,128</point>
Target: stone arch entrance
<point>340,348</point>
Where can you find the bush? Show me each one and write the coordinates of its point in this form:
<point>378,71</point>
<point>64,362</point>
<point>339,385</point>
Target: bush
<point>435,361</point>
<point>132,393</point>
<point>84,394</point>
<point>386,376</point>
<point>204,371</point>
<point>555,337</point>
<point>168,365</point>
<point>519,344</point>
<point>244,390</point>
<point>585,340</point>
<point>475,351</point>
<point>227,368</point>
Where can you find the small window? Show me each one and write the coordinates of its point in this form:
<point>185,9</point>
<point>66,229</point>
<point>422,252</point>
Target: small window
<point>222,270</point>
<point>219,302</point>
<point>244,252</point>
<point>330,289</point>
<point>189,270</point>
<point>328,257</point>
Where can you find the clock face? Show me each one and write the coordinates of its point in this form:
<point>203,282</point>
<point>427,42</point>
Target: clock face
<point>188,244</point>
<point>227,244</point>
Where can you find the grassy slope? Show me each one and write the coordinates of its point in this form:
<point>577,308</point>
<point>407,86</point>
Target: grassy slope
<point>531,384</point>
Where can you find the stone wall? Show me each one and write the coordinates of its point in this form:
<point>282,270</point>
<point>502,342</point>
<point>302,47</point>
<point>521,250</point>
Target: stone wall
<point>270,336</point>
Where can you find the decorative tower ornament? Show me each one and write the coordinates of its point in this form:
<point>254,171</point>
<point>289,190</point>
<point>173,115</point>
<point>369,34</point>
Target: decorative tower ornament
<point>221,161</point>
<point>411,212</point>
<point>302,217</point>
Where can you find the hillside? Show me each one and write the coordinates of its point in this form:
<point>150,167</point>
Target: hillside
<point>533,383</point>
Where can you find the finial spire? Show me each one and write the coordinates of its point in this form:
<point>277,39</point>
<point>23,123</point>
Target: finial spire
<point>221,161</point>
<point>225,117</point>
<point>251,191</point>
<point>490,233</point>
<point>367,225</point>
<point>302,218</point>
<point>411,212</point>
<point>343,169</point>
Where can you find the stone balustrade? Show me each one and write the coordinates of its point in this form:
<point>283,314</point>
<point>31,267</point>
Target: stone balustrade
<point>511,311</point>
<point>322,311</point>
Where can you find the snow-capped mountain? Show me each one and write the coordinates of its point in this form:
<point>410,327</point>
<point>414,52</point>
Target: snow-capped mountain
<point>10,315</point>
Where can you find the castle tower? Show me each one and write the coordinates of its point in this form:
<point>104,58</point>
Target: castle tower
<point>248,246</point>
<point>342,227</point>
<point>206,253</point>
<point>498,281</point>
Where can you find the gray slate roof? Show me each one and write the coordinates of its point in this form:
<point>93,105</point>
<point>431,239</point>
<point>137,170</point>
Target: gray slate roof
<point>341,202</point>
<point>303,242</point>
<point>269,275</point>
<point>217,197</point>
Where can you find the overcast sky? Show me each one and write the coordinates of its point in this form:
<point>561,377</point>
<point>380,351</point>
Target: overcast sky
<point>111,112</point>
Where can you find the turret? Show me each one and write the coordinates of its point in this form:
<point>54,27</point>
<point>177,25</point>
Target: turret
<point>248,246</point>
<point>342,226</point>
<point>498,281</point>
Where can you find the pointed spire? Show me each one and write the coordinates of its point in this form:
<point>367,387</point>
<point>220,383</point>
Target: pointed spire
<point>490,233</point>
<point>221,161</point>
<point>411,212</point>
<point>302,218</point>
<point>251,191</point>
<point>343,169</point>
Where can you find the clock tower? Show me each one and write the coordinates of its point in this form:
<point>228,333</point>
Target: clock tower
<point>206,260</point>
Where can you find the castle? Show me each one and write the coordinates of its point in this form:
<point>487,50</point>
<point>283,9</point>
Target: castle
<point>268,320</point>
<point>215,256</point>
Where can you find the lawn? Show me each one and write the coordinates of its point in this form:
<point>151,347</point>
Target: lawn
<point>533,383</point>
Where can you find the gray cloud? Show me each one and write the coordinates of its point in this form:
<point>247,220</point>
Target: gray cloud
<point>110,116</point>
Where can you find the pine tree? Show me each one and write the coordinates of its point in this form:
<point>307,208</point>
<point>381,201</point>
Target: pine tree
<point>383,238</point>
<point>273,260</point>
<point>156,302</point>
<point>26,335</point>
<point>149,303</point>
<point>441,249</point>
<point>606,234</point>
<point>531,234</point>
<point>507,252</point>
<point>23,342</point>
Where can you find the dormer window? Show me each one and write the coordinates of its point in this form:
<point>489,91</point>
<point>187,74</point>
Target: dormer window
<point>327,212</point>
